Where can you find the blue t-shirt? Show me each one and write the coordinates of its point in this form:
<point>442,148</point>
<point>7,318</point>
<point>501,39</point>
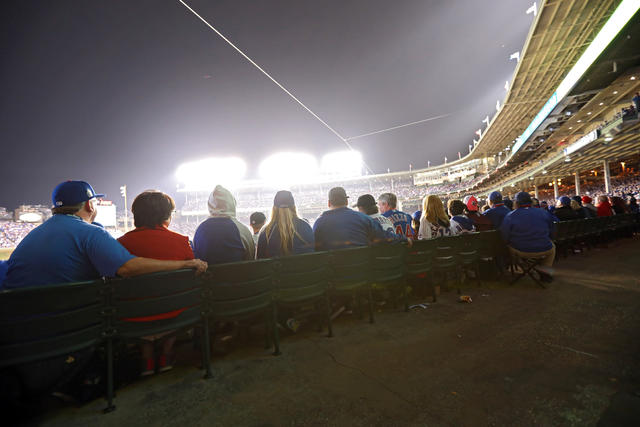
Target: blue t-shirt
<point>303,241</point>
<point>496,214</point>
<point>64,249</point>
<point>343,228</point>
<point>401,222</point>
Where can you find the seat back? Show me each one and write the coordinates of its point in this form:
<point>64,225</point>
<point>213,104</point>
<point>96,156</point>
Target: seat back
<point>444,256</point>
<point>467,248</point>
<point>490,244</point>
<point>301,278</point>
<point>239,290</point>
<point>42,322</point>
<point>349,268</point>
<point>419,257</point>
<point>388,262</point>
<point>154,303</point>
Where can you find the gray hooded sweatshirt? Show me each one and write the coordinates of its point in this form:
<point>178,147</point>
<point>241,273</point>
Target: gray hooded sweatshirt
<point>222,238</point>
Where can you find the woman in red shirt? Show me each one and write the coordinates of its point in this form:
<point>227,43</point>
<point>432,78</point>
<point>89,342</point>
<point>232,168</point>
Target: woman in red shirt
<point>152,238</point>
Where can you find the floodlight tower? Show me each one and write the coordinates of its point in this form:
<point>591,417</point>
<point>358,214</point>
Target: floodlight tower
<point>123,192</point>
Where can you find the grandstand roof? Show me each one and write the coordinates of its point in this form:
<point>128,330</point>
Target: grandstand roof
<point>562,31</point>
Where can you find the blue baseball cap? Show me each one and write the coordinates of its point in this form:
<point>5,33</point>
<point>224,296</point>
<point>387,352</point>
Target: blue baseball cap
<point>565,201</point>
<point>417,215</point>
<point>71,193</point>
<point>523,198</point>
<point>495,197</point>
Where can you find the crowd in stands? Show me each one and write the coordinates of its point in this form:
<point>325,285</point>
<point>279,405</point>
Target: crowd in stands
<point>11,232</point>
<point>83,250</point>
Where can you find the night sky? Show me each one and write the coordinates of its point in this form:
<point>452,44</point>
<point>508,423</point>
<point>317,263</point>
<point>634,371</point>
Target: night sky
<point>122,92</point>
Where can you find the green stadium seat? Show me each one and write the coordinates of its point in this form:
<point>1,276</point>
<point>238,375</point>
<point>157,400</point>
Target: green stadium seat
<point>152,295</point>
<point>304,279</point>
<point>350,275</point>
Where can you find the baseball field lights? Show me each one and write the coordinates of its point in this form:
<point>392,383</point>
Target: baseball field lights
<point>342,164</point>
<point>206,173</point>
<point>289,168</point>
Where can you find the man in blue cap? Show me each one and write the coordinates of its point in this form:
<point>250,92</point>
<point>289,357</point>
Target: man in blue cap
<point>564,212</point>
<point>68,248</point>
<point>527,232</point>
<point>497,210</point>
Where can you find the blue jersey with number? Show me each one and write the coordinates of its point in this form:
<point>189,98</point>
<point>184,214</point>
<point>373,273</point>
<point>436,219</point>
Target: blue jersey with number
<point>401,222</point>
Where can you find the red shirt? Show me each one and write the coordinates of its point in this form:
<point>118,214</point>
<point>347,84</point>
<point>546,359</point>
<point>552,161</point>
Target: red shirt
<point>157,243</point>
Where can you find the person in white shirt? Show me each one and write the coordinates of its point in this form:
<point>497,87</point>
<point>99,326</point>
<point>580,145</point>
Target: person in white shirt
<point>367,205</point>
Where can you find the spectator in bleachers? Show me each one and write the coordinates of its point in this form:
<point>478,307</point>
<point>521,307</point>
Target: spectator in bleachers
<point>563,209</point>
<point>222,238</point>
<point>580,214</point>
<point>497,210</point>
<point>460,223</point>
<point>535,203</point>
<point>586,203</point>
<point>604,207</point>
<point>256,220</point>
<point>82,251</point>
<point>618,205</point>
<point>285,234</point>
<point>636,101</point>
<point>152,211</point>
<point>341,227</point>
<point>67,248</point>
<point>388,202</point>
<point>481,223</point>
<point>508,203</point>
<point>586,213</point>
<point>367,205</point>
<point>527,232</point>
<point>416,222</point>
<point>632,206</point>
<point>434,221</point>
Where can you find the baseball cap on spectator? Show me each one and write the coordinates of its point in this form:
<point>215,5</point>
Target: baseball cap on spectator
<point>417,215</point>
<point>495,197</point>
<point>577,199</point>
<point>523,198</point>
<point>338,196</point>
<point>565,201</point>
<point>257,218</point>
<point>284,199</point>
<point>471,203</point>
<point>365,201</point>
<point>586,199</point>
<point>71,193</point>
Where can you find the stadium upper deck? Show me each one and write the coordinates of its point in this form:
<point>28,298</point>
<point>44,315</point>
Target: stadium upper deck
<point>560,35</point>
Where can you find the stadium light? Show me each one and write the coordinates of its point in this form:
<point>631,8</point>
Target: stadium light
<point>289,168</point>
<point>206,173</point>
<point>342,164</point>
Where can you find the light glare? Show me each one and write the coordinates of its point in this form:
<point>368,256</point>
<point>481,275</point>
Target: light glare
<point>342,164</point>
<point>289,167</point>
<point>206,173</point>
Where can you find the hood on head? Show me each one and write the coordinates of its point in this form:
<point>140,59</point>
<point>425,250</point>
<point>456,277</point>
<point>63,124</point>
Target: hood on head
<point>221,202</point>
